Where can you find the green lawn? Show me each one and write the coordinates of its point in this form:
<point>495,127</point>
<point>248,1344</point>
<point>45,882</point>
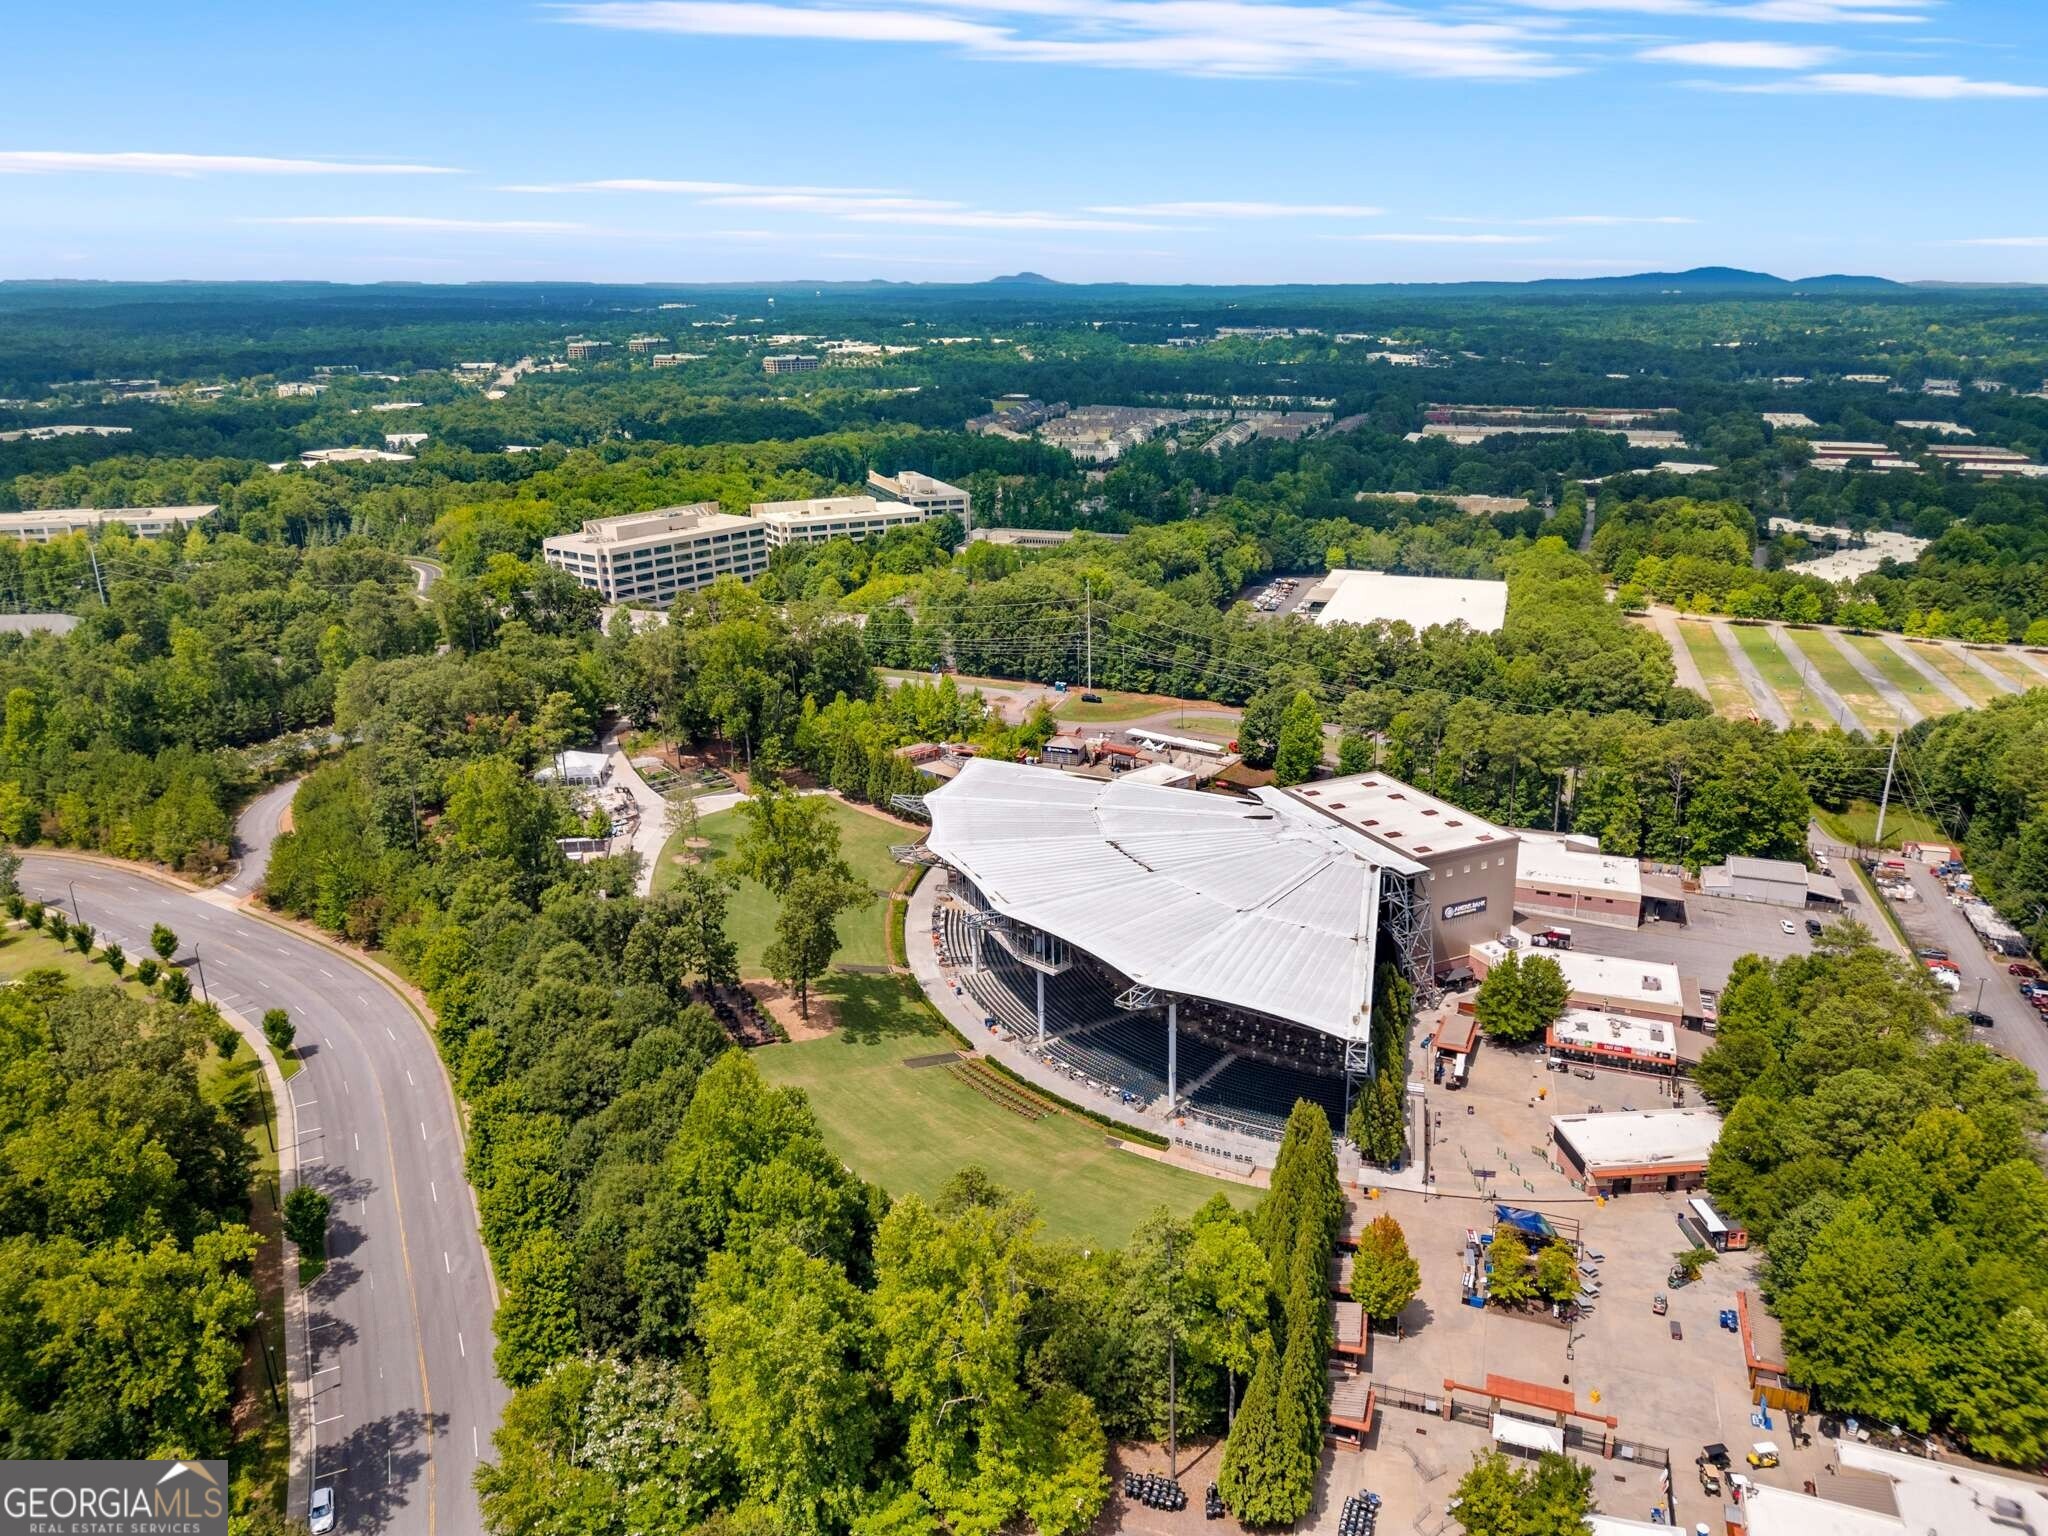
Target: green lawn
<point>863,839</point>
<point>1138,706</point>
<point>1980,688</point>
<point>910,1129</point>
<point>1864,701</point>
<point>1781,673</point>
<point>1902,824</point>
<point>1925,697</point>
<point>1724,688</point>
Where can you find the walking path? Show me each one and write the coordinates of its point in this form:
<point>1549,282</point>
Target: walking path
<point>1991,674</point>
<point>1902,707</point>
<point>1926,669</point>
<point>1837,707</point>
<point>1689,674</point>
<point>2038,663</point>
<point>1761,693</point>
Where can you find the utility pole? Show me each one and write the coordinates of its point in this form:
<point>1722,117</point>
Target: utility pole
<point>1884,802</point>
<point>94,554</point>
<point>1172,1383</point>
<point>1088,633</point>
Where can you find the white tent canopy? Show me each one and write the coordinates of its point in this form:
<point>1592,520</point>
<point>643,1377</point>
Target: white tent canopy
<point>1524,1435</point>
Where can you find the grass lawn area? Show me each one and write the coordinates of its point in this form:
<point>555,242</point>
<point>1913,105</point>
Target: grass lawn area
<point>1902,824</point>
<point>1781,673</point>
<point>1925,697</point>
<point>1833,668</point>
<point>1725,692</point>
<point>1137,706</point>
<point>2009,667</point>
<point>911,1129</point>
<point>1950,665</point>
<point>864,841</point>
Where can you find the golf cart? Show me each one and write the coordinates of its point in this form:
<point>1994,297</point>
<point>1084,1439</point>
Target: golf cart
<point>1716,1455</point>
<point>1710,1481</point>
<point>1659,1305</point>
<point>1763,1454</point>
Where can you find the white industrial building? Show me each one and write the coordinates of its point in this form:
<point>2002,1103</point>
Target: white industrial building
<point>143,522</point>
<point>932,497</point>
<point>1558,877</point>
<point>651,556</point>
<point>1367,597</point>
<point>1646,1149</point>
<point>1647,989</point>
<point>832,517</point>
<point>1774,882</point>
<point>1872,1492</point>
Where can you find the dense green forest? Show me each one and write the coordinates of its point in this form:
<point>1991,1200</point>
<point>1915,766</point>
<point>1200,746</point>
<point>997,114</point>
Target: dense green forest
<point>712,1326</point>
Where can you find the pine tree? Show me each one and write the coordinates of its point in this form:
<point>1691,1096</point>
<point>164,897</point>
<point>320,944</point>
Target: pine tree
<point>1255,1476</point>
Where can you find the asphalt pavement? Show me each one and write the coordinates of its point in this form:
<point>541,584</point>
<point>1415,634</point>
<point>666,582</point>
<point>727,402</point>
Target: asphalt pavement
<point>397,1338</point>
<point>258,826</point>
<point>1930,922</point>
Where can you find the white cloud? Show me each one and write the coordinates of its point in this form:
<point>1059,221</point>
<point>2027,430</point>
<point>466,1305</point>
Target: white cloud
<point>1242,38</point>
<point>705,189</point>
<point>1789,12</point>
<point>1902,87</point>
<point>1244,210</point>
<point>420,222</point>
<point>1740,55</point>
<point>2026,241</point>
<point>1436,239</point>
<point>983,219</point>
<point>151,163</point>
<point>1560,220</point>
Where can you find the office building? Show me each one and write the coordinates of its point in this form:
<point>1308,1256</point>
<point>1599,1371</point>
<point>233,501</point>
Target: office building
<point>651,556</point>
<point>640,346</point>
<point>832,517</point>
<point>584,351</point>
<point>932,497</point>
<point>789,362</point>
<point>143,522</point>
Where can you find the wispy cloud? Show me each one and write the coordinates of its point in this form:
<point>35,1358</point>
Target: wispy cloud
<point>1243,38</point>
<point>1569,220</point>
<point>1740,55</point>
<point>1901,87</point>
<point>699,189</point>
<point>2024,241</point>
<point>972,218</point>
<point>48,162</point>
<point>1420,238</point>
<point>422,222</point>
<point>1789,12</point>
<point>1226,210</point>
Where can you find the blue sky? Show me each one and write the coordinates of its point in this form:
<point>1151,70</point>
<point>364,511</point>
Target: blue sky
<point>1140,140</point>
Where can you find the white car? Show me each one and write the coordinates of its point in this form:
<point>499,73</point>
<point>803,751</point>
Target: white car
<point>320,1517</point>
<point>1785,926</point>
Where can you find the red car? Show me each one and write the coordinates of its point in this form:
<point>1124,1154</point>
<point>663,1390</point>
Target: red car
<point>2019,968</point>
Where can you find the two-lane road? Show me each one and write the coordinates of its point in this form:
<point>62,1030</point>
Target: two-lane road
<point>398,1330</point>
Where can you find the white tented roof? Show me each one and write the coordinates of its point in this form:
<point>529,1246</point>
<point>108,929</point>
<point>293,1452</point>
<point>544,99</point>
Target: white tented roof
<point>1524,1435</point>
<point>1261,905</point>
<point>1361,597</point>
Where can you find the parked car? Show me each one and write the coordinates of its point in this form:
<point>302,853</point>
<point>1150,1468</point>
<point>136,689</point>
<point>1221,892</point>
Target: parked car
<point>320,1515</point>
<point>1813,928</point>
<point>1785,925</point>
<point>1977,1017</point>
<point>2021,968</point>
<point>1931,954</point>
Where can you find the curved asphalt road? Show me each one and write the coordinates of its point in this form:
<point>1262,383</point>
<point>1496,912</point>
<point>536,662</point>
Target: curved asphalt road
<point>398,1330</point>
<point>258,826</point>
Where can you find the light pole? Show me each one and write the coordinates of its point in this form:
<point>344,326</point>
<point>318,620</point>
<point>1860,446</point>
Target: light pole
<point>76,915</point>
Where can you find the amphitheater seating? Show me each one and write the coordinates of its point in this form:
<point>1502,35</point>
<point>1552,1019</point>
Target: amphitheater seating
<point>999,1090</point>
<point>1258,1096</point>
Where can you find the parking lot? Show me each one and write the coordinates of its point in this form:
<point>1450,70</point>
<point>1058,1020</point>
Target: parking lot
<point>1930,922</point>
<point>1490,1142</point>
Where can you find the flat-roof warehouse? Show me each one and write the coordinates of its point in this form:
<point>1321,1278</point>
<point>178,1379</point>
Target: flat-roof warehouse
<point>1367,597</point>
<point>1615,1153</point>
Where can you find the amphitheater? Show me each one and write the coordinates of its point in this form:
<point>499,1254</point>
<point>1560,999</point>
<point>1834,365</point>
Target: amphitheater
<point>1171,956</point>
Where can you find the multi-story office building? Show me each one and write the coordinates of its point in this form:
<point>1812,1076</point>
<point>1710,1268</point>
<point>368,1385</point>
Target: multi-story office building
<point>640,346</point>
<point>832,517</point>
<point>143,522</point>
<point>789,362</point>
<point>584,351</point>
<point>932,497</point>
<point>651,556</point>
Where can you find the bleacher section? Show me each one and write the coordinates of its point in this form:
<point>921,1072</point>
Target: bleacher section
<point>1238,1073</point>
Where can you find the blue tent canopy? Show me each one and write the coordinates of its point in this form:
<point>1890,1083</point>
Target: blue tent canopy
<point>1535,1223</point>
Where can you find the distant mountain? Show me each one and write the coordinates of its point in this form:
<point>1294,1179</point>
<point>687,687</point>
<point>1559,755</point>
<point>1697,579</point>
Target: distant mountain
<point>1023,280</point>
<point>1719,280</point>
